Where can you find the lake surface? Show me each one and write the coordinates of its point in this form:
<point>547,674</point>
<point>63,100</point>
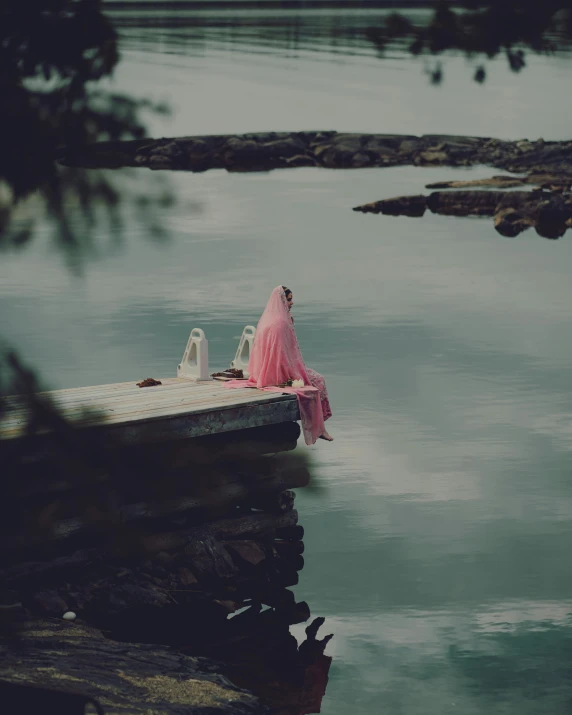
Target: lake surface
<point>438,537</point>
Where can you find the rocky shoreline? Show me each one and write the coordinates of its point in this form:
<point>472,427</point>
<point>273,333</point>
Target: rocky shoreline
<point>549,212</point>
<point>179,597</point>
<point>72,663</point>
<point>545,165</point>
<point>264,151</point>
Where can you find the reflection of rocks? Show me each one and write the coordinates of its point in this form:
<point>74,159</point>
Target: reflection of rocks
<point>550,212</point>
<point>270,150</point>
<point>261,655</point>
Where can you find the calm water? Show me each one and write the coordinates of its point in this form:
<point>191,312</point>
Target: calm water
<point>438,546</point>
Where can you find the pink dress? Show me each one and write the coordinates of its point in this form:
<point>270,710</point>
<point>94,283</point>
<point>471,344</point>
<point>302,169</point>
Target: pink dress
<point>276,358</point>
<point>318,381</point>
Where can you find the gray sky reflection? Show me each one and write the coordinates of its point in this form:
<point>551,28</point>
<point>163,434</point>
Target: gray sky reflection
<point>445,347</point>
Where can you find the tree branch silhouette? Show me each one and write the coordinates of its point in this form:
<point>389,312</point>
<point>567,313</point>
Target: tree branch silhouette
<point>52,54</point>
<point>480,30</point>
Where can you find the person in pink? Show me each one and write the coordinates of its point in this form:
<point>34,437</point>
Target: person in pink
<point>276,359</point>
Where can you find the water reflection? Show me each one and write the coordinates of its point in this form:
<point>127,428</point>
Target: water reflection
<point>232,71</point>
<point>281,29</point>
<point>511,658</point>
<point>483,34</point>
<point>540,27</point>
<point>447,499</point>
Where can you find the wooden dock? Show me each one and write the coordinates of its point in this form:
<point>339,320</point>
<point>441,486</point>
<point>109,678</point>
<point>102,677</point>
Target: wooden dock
<point>179,408</point>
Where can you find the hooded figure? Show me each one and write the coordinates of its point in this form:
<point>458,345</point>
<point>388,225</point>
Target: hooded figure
<point>276,359</point>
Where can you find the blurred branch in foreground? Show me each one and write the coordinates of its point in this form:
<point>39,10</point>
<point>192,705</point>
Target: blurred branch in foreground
<point>52,52</point>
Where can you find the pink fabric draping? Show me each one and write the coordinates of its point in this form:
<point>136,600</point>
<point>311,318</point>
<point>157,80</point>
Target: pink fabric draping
<point>276,358</point>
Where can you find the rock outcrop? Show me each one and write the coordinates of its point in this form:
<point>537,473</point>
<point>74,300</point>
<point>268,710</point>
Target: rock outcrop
<point>263,151</point>
<point>73,663</point>
<point>194,555</point>
<point>549,212</point>
<point>547,165</point>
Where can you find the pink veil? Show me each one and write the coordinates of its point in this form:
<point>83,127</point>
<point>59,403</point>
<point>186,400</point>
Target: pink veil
<point>276,358</point>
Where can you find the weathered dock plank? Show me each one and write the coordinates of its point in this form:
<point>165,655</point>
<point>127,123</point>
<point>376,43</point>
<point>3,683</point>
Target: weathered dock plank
<point>139,403</point>
<point>178,408</point>
<point>97,392</point>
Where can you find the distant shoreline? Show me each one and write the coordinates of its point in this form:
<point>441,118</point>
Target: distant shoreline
<point>255,4</point>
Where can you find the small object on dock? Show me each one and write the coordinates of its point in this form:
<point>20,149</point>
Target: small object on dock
<point>291,383</point>
<point>230,374</point>
<point>149,382</point>
<point>69,616</point>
